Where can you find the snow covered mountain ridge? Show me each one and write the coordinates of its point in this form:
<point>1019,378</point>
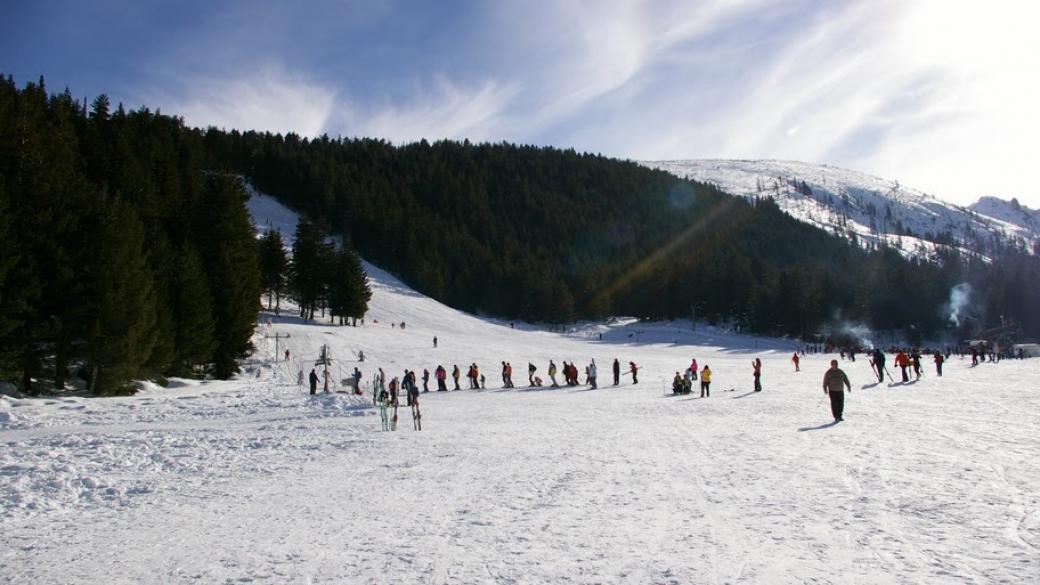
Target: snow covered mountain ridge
<point>870,210</point>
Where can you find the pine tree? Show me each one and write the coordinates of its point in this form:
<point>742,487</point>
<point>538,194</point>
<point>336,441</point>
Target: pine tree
<point>274,267</point>
<point>349,291</point>
<point>307,274</point>
<point>229,252</point>
<point>195,332</point>
<point>9,253</point>
<point>122,334</point>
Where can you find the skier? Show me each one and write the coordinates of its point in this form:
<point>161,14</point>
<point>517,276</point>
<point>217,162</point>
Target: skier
<point>455,374</point>
<point>834,383</point>
<point>688,381</point>
<point>633,369</point>
<point>482,387</point>
<point>903,362</point>
<point>693,369</point>
<point>677,384</point>
<point>413,391</point>
<point>299,378</point>
<point>406,386</point>
<point>592,374</point>
<point>938,363</point>
<point>509,374</point>
<point>795,359</point>
<point>531,369</point>
<point>425,380</point>
<point>378,387</point>
<point>706,382</point>
<point>286,354</point>
<point>915,359</point>
<point>394,385</point>
<point>416,414</point>
<point>434,342</point>
<point>617,372</point>
<point>879,364</point>
<point>552,374</point>
<point>314,381</point>
<point>383,400</point>
<point>757,373</point>
<point>441,374</point>
<point>357,381</point>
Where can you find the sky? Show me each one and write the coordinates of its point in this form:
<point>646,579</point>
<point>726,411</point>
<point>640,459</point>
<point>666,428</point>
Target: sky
<point>940,95</point>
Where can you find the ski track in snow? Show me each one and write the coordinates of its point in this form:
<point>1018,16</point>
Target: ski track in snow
<point>254,481</point>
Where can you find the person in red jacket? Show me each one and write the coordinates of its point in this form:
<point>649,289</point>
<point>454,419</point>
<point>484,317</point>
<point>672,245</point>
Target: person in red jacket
<point>756,367</point>
<point>796,359</point>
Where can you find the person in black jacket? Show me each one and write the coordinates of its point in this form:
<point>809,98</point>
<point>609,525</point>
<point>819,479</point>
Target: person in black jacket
<point>617,372</point>
<point>314,381</point>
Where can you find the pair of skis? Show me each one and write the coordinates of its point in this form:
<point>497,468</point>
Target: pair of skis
<point>416,416</point>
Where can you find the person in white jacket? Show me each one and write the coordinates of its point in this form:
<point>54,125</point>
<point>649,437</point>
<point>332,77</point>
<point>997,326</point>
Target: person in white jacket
<point>592,374</point>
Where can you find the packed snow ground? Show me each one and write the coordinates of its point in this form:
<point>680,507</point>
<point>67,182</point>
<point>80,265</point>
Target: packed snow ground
<point>255,481</point>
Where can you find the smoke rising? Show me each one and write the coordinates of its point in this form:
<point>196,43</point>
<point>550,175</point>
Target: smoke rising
<point>960,302</point>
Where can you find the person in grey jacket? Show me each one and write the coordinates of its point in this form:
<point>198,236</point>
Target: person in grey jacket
<point>834,384</point>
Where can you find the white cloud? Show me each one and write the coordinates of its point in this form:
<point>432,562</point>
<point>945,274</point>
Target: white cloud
<point>270,99</point>
<point>443,111</point>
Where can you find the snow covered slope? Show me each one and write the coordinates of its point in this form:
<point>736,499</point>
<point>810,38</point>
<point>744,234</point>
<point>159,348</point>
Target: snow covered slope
<point>254,481</point>
<point>1011,212</point>
<point>872,209</point>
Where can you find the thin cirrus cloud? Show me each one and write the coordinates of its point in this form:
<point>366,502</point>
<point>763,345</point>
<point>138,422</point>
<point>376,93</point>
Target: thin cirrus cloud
<point>270,100</point>
<point>937,94</point>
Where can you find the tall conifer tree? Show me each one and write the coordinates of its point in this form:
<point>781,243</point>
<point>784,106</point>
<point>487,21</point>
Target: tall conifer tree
<point>123,330</point>
<point>228,248</point>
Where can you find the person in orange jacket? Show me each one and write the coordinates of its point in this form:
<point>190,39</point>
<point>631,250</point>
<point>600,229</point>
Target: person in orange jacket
<point>903,361</point>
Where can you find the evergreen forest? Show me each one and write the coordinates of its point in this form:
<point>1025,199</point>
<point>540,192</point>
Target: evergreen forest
<point>127,251</point>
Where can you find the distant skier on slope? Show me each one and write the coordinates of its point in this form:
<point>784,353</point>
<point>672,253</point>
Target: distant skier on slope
<point>756,367</point>
<point>531,369</point>
<point>314,381</point>
<point>634,370</point>
<point>552,374</point>
<point>617,372</point>
<point>834,383</point>
<point>795,360</point>
<point>706,382</point>
<point>938,364</point>
<point>592,374</point>
<point>456,373</point>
